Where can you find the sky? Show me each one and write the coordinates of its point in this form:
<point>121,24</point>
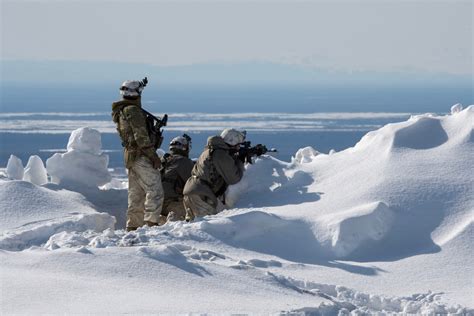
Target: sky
<point>398,36</point>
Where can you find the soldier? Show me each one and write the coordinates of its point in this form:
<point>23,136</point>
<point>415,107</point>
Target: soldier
<point>145,191</point>
<point>175,171</point>
<point>216,169</point>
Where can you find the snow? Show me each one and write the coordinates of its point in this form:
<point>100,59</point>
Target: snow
<point>383,227</point>
<point>354,228</point>
<point>35,172</point>
<point>305,155</point>
<point>85,140</point>
<point>456,108</point>
<point>83,164</point>
<point>15,170</point>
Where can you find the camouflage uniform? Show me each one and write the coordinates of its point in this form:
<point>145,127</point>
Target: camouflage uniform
<point>145,191</point>
<point>214,171</point>
<point>176,169</point>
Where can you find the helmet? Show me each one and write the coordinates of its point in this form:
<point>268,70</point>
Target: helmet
<point>233,137</point>
<point>181,143</point>
<point>131,88</point>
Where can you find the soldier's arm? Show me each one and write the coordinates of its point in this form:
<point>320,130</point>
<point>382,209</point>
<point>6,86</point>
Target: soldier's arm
<point>185,168</point>
<point>229,168</point>
<point>136,119</point>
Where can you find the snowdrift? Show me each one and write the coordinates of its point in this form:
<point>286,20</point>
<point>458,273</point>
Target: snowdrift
<point>403,190</point>
<point>32,214</point>
<point>400,200</point>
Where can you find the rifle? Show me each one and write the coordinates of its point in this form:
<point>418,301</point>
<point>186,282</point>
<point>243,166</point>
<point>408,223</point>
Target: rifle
<point>153,123</point>
<point>246,151</point>
<point>154,127</point>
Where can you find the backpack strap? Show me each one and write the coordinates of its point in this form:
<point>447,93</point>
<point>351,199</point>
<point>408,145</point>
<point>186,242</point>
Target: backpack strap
<point>117,114</point>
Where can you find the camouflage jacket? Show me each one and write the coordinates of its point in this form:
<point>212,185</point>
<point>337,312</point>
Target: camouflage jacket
<point>176,170</point>
<point>214,171</point>
<point>131,126</point>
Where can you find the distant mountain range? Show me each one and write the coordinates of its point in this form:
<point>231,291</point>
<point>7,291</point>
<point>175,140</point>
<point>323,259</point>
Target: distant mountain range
<point>249,73</point>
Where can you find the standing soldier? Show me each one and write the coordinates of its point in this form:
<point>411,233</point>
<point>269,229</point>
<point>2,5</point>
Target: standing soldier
<point>175,171</point>
<point>218,167</point>
<point>145,191</point>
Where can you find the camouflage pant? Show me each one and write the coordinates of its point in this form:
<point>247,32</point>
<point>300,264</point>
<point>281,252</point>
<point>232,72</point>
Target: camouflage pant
<point>197,206</point>
<point>145,193</point>
<point>174,210</point>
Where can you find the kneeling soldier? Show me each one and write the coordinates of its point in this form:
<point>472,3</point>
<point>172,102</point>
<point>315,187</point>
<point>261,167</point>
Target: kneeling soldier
<point>175,171</point>
<point>218,167</point>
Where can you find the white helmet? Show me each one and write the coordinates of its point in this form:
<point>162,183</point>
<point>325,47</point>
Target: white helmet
<point>182,143</point>
<point>233,137</point>
<point>131,88</point>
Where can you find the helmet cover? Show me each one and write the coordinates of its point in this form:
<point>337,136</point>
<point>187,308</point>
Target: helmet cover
<point>233,137</point>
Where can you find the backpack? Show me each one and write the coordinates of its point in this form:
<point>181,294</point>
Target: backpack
<point>153,124</point>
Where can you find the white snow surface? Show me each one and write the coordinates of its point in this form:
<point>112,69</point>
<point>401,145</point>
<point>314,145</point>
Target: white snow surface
<point>383,227</point>
<point>83,164</point>
<point>15,169</point>
<point>35,172</point>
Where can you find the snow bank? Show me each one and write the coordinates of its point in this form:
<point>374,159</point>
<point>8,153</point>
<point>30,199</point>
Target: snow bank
<point>83,164</point>
<point>15,170</point>
<point>357,226</point>
<point>406,185</point>
<point>22,203</point>
<point>37,234</point>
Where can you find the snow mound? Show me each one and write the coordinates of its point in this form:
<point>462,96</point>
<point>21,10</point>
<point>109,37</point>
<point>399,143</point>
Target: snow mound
<point>22,203</point>
<point>265,233</point>
<point>403,190</point>
<point>413,136</point>
<point>15,170</point>
<point>85,140</point>
<point>356,227</point>
<point>305,155</point>
<point>83,164</point>
<point>37,234</point>
<point>35,172</point>
<point>271,182</point>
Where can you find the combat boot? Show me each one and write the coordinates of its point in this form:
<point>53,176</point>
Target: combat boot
<point>162,220</point>
<point>172,217</point>
<point>150,224</point>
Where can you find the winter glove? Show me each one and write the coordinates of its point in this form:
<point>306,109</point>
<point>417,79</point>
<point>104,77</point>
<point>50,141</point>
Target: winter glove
<point>156,161</point>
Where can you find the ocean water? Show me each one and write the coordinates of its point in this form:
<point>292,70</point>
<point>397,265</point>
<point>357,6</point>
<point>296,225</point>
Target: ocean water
<point>43,134</point>
<point>37,119</point>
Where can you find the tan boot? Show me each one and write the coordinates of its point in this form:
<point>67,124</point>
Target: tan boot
<point>151,224</point>
<point>162,220</point>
